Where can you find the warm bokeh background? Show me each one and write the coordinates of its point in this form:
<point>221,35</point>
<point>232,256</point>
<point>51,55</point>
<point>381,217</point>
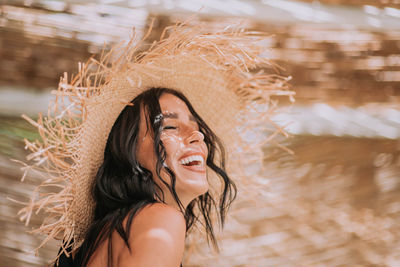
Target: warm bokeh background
<point>335,202</point>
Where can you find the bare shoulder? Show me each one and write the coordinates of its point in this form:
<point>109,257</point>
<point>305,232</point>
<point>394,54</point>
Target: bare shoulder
<point>157,238</point>
<point>160,215</point>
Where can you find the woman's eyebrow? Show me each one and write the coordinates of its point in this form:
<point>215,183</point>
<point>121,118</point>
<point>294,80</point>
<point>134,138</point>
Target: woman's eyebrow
<point>174,115</point>
<point>170,116</point>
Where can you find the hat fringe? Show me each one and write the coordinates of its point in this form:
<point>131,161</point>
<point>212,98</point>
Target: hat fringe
<point>232,50</point>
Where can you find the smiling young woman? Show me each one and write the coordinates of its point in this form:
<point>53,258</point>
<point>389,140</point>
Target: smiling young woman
<point>139,148</point>
<point>153,173</point>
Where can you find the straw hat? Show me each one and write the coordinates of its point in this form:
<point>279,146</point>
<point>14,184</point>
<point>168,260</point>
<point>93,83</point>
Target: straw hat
<point>212,69</point>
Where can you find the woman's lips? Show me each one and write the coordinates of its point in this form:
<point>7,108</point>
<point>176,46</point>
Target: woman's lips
<point>195,168</point>
<point>192,153</point>
<point>195,156</point>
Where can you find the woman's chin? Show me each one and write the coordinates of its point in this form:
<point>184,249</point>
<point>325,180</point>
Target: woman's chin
<point>193,187</point>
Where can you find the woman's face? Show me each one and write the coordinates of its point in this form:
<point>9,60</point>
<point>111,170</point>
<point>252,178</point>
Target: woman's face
<point>185,149</point>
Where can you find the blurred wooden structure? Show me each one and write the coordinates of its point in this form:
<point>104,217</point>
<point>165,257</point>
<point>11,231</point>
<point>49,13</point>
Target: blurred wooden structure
<point>335,203</point>
<point>377,3</point>
<point>346,65</point>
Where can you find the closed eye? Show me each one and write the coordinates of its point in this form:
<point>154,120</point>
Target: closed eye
<point>168,127</point>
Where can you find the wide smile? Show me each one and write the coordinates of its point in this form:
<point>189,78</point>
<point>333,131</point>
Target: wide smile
<point>193,162</point>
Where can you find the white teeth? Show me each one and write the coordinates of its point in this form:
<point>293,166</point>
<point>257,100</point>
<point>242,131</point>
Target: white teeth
<point>186,160</point>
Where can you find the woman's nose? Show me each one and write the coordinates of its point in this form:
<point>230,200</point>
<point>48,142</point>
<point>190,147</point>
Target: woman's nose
<point>195,136</point>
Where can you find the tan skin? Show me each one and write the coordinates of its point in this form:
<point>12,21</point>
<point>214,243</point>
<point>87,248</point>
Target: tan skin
<point>158,231</point>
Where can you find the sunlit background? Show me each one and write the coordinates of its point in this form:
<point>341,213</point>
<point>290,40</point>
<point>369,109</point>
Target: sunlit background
<point>335,202</point>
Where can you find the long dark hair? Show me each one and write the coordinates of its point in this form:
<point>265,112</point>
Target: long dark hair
<point>123,187</point>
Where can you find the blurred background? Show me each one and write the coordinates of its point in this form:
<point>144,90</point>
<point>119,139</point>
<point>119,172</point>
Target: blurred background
<point>334,202</point>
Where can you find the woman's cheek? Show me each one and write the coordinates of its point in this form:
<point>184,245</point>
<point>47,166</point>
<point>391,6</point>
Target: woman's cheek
<point>172,143</point>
